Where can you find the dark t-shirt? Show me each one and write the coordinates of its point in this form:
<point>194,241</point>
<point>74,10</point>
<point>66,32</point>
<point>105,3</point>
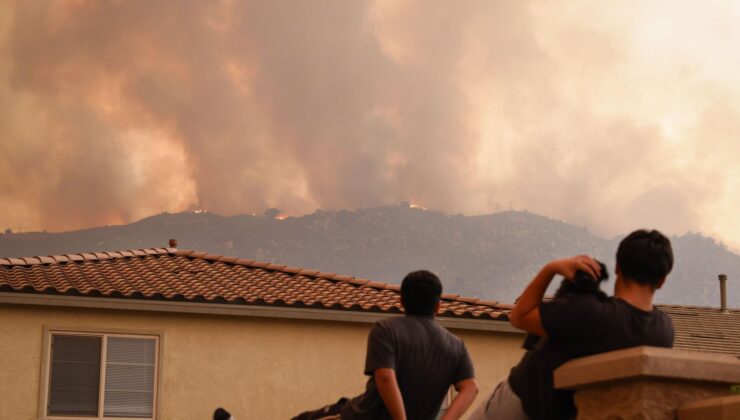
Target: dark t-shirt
<point>427,359</point>
<point>578,326</point>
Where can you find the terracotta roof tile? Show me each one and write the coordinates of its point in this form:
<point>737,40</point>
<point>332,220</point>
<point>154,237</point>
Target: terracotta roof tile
<point>359,282</point>
<point>166,273</point>
<point>306,272</point>
<point>394,287</point>
<point>260,264</point>
<point>467,299</point>
<point>47,260</point>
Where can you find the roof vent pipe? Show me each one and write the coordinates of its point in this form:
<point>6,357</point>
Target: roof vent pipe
<point>173,243</point>
<point>723,293</point>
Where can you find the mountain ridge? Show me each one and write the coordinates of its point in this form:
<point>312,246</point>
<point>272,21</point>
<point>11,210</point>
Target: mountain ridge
<point>490,256</point>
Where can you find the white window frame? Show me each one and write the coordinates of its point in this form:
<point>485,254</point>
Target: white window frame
<point>45,384</point>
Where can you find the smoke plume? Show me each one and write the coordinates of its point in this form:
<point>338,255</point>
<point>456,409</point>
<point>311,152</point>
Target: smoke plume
<point>612,116</point>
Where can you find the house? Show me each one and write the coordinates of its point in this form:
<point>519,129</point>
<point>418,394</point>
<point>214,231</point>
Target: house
<point>171,334</point>
<point>168,334</point>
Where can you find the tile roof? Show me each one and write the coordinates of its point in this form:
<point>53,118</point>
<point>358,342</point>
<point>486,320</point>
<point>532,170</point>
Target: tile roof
<point>170,274</point>
<point>705,329</point>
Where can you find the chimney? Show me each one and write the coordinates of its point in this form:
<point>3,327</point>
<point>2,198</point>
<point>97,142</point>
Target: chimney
<point>173,243</point>
<point>723,293</point>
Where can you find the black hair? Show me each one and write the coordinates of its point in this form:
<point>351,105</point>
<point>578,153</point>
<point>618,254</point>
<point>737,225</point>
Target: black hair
<point>421,291</point>
<point>221,414</point>
<point>581,283</point>
<point>645,257</point>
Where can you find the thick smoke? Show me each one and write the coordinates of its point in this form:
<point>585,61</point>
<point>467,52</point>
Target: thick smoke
<point>613,117</point>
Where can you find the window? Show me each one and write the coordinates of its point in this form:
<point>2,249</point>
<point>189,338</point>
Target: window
<point>90,375</point>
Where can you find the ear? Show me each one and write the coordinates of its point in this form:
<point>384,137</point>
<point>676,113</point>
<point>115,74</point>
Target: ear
<point>618,270</point>
<point>403,305</point>
<point>660,283</point>
<point>436,307</point>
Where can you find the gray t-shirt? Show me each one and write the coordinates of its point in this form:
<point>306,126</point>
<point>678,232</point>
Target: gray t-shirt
<point>427,359</point>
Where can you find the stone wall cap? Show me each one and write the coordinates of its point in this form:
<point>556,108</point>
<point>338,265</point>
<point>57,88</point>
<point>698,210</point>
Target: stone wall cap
<point>656,362</point>
<point>720,408</point>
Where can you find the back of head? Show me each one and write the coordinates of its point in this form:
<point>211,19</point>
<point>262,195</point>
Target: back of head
<point>421,291</point>
<point>645,257</point>
<point>221,414</point>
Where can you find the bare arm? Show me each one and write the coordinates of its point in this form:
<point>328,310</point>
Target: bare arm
<point>385,379</point>
<point>526,312</point>
<point>467,390</point>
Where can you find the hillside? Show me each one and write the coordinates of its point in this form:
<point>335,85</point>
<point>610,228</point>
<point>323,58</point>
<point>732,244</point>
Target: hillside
<point>490,256</point>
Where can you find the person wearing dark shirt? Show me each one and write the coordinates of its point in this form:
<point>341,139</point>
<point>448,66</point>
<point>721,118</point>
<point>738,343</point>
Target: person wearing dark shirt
<point>581,325</point>
<point>412,361</point>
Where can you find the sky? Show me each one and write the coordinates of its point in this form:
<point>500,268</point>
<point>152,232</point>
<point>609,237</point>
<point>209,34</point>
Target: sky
<point>609,115</point>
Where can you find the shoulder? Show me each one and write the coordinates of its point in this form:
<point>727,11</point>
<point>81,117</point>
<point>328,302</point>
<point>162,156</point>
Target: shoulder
<point>451,340</point>
<point>402,321</point>
<point>663,317</point>
<point>398,324</point>
<point>584,303</point>
<point>574,315</point>
<point>447,334</point>
<point>384,325</point>
<point>660,313</point>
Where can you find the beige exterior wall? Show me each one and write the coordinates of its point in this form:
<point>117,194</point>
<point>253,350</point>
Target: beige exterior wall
<point>257,368</point>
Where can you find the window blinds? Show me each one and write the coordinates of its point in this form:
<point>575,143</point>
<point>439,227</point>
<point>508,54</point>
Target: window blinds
<point>129,377</point>
<point>75,375</point>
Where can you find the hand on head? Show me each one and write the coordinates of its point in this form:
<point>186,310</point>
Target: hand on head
<point>567,267</point>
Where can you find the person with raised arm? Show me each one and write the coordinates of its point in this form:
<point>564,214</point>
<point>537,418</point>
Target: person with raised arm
<point>582,324</point>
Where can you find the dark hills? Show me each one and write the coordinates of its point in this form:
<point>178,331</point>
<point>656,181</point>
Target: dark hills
<point>491,256</point>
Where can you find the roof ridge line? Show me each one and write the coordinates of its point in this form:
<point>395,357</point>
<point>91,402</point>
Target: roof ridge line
<point>307,272</point>
<point>84,256</point>
<point>317,274</point>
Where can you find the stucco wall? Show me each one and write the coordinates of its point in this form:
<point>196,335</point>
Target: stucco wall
<point>258,368</point>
